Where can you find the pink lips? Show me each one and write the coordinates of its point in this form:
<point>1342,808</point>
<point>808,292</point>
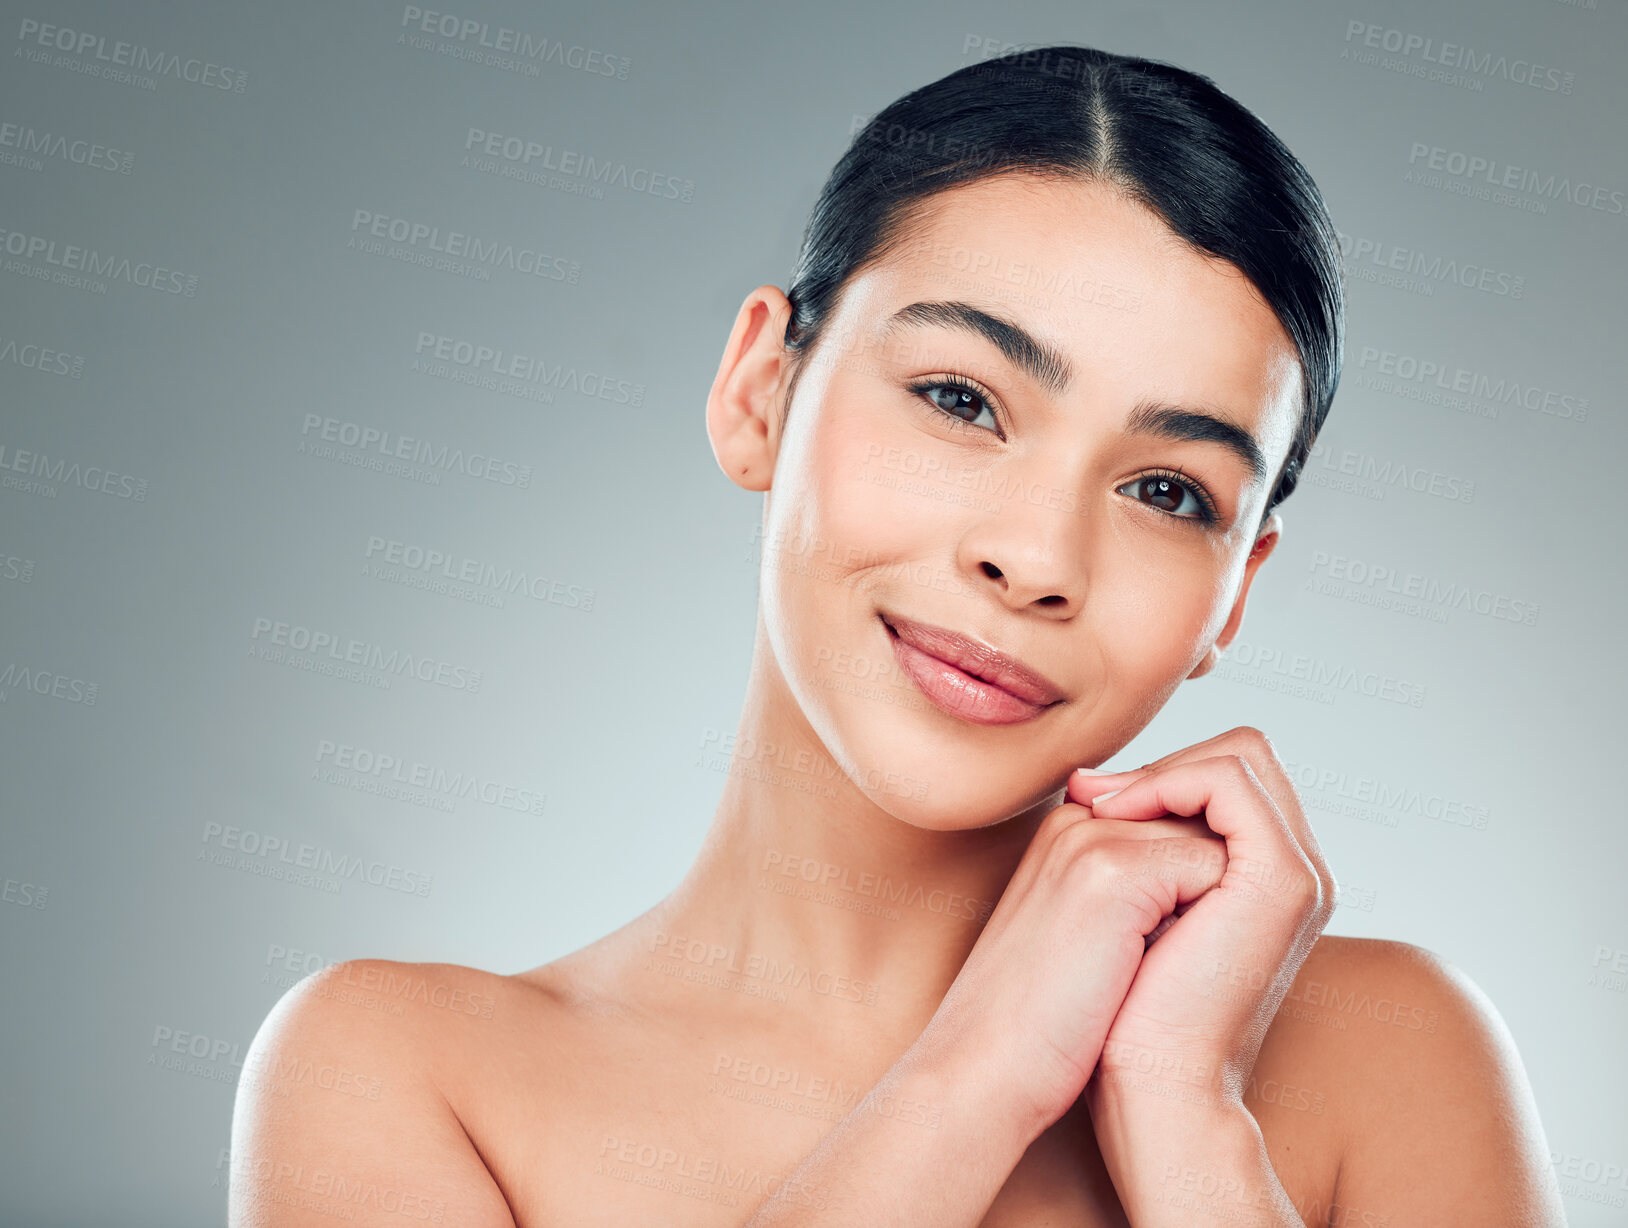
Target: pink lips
<point>968,679</point>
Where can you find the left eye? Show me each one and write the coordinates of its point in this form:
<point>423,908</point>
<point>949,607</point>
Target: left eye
<point>1168,495</point>
<point>961,402</point>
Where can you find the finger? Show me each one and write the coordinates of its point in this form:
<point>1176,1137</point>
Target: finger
<point>1150,939</point>
<point>1256,748</point>
<point>1070,815</point>
<point>1264,857</point>
<point>1167,876</point>
<point>1084,784</point>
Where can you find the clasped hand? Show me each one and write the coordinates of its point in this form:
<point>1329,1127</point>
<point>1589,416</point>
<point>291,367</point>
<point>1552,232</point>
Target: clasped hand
<point>1149,934</point>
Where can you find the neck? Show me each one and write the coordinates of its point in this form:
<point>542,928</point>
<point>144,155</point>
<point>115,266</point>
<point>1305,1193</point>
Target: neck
<point>802,867</point>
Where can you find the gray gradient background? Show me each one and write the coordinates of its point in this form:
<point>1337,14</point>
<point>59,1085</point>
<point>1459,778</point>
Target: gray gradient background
<point>607,710</point>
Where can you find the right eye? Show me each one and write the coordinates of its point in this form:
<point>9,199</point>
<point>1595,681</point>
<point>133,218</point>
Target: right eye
<point>959,400</point>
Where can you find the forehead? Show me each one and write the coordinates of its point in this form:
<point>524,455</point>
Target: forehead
<point>1132,308</point>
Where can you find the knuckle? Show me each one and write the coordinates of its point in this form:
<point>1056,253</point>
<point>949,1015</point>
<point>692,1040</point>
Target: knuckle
<point>1061,818</point>
<point>1309,888</point>
<point>1254,742</point>
<point>1303,890</point>
<point>1331,895</point>
<point>1071,839</point>
<point>1253,736</point>
<point>1103,867</point>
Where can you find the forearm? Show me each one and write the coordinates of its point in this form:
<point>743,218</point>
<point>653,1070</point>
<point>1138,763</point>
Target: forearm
<point>1189,1165</point>
<point>929,1147</point>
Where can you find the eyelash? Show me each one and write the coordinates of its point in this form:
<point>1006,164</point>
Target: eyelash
<point>1209,514</point>
<point>961,384</point>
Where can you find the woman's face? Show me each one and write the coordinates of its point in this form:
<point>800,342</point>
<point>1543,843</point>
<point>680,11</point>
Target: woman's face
<point>1015,506</point>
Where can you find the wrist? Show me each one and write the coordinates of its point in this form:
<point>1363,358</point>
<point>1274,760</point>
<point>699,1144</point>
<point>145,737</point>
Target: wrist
<point>1191,1166</point>
<point>1164,1081</point>
<point>976,1086</point>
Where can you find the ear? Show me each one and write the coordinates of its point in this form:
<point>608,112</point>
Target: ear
<point>743,408</point>
<point>1265,542</point>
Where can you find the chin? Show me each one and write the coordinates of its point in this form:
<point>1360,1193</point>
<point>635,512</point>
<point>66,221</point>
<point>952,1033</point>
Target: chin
<point>915,784</point>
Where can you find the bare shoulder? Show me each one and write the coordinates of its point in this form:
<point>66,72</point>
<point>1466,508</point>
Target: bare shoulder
<point>340,1109</point>
<point>1433,1116</point>
<point>1367,998</point>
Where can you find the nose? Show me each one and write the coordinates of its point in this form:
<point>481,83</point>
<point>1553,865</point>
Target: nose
<point>1031,553</point>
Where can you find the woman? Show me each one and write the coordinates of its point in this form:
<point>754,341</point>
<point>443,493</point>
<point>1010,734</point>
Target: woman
<point>1063,330</point>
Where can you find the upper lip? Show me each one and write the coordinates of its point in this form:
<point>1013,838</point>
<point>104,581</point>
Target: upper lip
<point>976,658</point>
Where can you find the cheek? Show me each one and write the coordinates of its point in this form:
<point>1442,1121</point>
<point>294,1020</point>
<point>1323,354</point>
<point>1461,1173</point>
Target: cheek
<point>827,523</point>
<point>872,501</point>
<point>876,482</point>
<point>1158,607</point>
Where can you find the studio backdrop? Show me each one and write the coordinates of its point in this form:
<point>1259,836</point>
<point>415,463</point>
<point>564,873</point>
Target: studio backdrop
<point>368,586</point>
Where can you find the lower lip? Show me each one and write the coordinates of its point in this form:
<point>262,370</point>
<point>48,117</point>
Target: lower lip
<point>957,692</point>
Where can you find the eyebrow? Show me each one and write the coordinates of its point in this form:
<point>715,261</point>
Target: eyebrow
<point>1039,361</point>
<point>1048,368</point>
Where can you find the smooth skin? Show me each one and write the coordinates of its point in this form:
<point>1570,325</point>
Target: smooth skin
<point>916,974</point>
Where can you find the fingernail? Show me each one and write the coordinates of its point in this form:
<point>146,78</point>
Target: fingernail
<point>1097,771</point>
<point>1102,797</point>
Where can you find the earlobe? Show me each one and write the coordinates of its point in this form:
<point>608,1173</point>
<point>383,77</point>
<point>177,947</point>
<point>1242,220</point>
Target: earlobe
<point>743,406</point>
<point>1212,658</point>
<point>1266,541</point>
